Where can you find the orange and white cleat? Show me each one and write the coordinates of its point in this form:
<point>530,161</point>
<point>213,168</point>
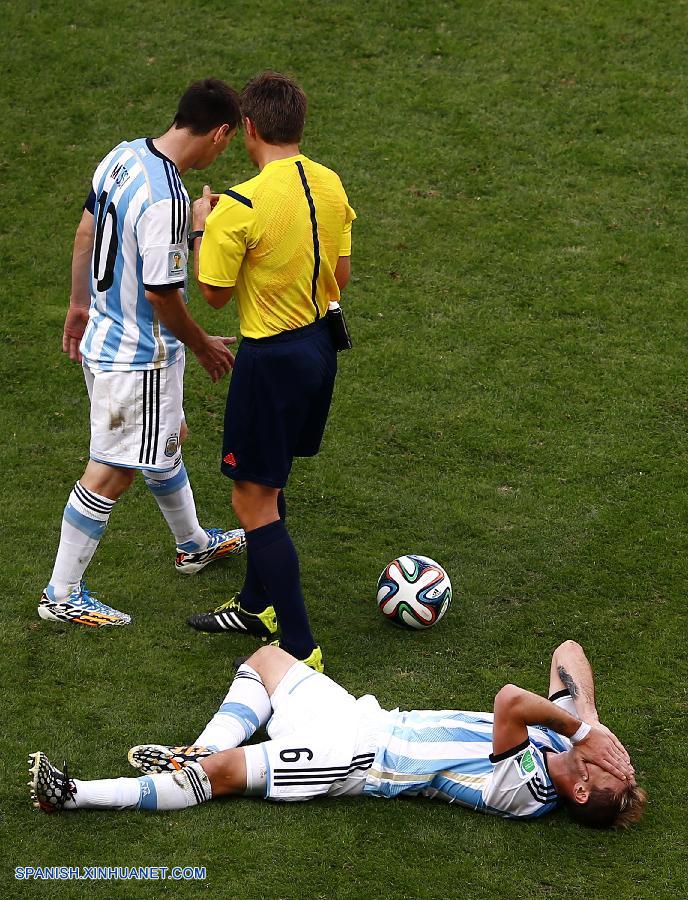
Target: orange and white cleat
<point>220,543</point>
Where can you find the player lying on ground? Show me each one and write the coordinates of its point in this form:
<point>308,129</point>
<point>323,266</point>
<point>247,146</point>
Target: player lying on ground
<point>127,323</point>
<point>522,761</point>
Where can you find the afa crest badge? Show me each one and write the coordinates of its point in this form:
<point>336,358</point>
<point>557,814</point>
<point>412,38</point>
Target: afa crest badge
<point>171,445</point>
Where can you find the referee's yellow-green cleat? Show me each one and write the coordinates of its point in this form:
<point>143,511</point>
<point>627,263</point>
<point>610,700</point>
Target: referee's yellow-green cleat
<point>313,661</point>
<point>230,616</point>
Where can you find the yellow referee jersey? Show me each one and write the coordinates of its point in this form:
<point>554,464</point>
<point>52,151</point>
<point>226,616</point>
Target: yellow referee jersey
<point>276,239</point>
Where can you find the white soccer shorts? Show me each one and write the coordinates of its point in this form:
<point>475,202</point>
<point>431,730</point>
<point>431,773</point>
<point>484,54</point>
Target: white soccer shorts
<point>323,740</point>
<point>136,417</point>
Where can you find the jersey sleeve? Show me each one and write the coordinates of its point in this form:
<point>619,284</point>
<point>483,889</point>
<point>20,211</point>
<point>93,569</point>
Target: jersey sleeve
<point>564,700</point>
<point>227,237</point>
<point>349,216</point>
<point>519,786</point>
<point>162,241</point>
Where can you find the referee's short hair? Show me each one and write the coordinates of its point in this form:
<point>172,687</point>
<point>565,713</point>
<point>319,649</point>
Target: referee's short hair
<point>277,106</point>
<point>206,105</point>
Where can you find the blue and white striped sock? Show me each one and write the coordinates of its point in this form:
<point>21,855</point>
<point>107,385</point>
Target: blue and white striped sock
<point>166,790</point>
<point>174,790</point>
<point>83,523</point>
<point>244,710</point>
<point>175,498</point>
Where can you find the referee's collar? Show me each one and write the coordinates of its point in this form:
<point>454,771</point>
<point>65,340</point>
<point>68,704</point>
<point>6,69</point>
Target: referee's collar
<point>286,161</point>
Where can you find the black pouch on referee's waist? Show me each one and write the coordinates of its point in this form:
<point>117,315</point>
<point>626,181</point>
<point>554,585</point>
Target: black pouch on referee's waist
<point>338,330</point>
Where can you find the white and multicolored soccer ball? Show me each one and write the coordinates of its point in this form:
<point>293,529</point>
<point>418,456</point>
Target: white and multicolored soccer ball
<point>414,591</point>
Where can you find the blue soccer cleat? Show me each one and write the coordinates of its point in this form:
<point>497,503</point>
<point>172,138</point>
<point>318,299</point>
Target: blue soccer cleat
<point>80,608</point>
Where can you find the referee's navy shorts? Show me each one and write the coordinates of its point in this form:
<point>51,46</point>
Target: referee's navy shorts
<point>278,402</point>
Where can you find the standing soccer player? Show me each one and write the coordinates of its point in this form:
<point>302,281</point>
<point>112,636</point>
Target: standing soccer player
<point>281,245</point>
<point>127,322</point>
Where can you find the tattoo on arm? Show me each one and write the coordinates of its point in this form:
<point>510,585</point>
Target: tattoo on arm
<point>571,685</point>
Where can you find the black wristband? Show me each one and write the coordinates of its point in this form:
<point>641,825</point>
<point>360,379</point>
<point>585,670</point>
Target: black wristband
<point>192,237</point>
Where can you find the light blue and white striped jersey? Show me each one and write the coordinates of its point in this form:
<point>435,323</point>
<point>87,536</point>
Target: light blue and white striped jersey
<point>141,215</point>
<point>447,755</point>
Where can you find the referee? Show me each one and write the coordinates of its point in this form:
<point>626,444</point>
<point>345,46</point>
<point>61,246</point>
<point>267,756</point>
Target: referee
<point>280,244</point>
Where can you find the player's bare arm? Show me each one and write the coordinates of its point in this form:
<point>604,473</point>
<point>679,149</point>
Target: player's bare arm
<point>80,297</point>
<point>211,351</point>
<point>570,670</point>
<point>515,709</point>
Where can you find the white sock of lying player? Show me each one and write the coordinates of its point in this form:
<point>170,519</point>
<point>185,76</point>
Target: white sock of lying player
<point>244,710</point>
<point>168,790</point>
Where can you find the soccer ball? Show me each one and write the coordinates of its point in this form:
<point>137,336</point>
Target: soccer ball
<point>414,591</point>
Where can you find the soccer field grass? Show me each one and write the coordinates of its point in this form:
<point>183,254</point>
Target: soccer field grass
<point>515,407</point>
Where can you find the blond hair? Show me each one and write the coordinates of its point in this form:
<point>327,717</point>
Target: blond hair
<point>634,801</point>
<point>606,808</point>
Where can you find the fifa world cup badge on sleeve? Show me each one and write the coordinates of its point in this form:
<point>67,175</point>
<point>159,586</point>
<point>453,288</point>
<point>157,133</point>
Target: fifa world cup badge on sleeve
<point>175,263</point>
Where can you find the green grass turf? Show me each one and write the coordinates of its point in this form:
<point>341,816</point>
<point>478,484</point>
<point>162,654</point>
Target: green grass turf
<point>515,406</point>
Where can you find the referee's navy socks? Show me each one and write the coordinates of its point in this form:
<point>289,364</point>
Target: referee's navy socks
<point>252,595</point>
<point>276,564</point>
